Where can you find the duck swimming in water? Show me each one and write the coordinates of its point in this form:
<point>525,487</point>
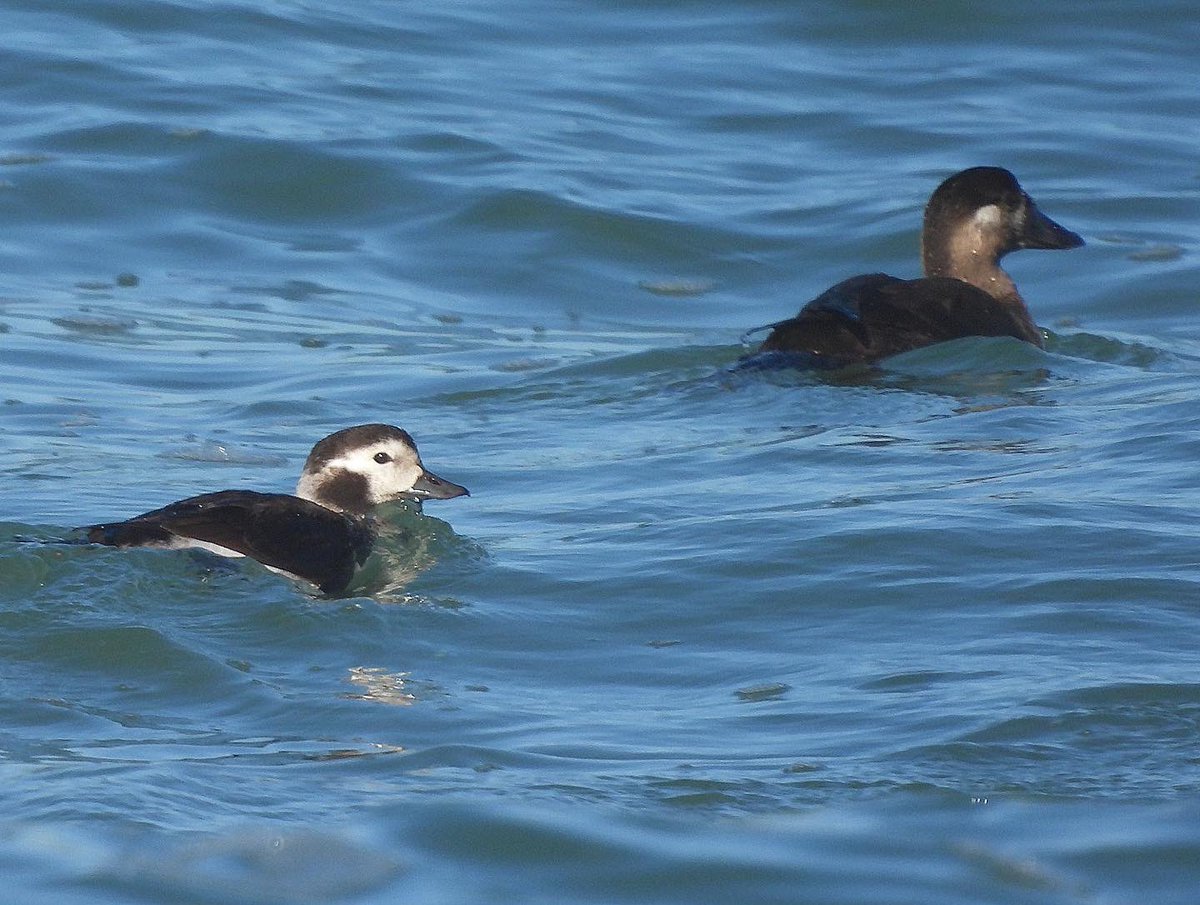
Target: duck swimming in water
<point>973,219</point>
<point>322,534</point>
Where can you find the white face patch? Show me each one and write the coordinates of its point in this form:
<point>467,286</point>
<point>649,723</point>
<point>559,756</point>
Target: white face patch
<point>987,218</point>
<point>390,468</point>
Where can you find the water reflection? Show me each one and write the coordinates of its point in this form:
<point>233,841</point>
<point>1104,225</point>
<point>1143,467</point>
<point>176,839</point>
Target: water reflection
<point>381,686</point>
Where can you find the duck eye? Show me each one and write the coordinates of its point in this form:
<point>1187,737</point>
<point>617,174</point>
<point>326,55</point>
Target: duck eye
<point>382,457</point>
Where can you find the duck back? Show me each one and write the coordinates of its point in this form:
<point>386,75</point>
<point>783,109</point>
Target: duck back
<point>284,532</point>
<point>873,316</point>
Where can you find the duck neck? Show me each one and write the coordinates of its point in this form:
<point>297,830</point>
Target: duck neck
<point>339,490</point>
<point>972,267</point>
<point>969,264</point>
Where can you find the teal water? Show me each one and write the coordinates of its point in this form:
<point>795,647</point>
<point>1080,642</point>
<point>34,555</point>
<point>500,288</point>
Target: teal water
<point>920,634</point>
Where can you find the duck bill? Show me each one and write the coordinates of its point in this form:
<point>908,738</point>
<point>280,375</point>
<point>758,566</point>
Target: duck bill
<point>430,487</point>
<point>1042,232</point>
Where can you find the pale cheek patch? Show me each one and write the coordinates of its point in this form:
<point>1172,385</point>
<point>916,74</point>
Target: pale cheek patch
<point>987,218</point>
<point>386,480</point>
<point>398,480</point>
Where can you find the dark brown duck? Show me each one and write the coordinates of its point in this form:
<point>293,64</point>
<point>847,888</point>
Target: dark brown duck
<point>972,220</point>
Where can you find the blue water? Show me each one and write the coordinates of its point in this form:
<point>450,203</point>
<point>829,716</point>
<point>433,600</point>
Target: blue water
<point>925,633</point>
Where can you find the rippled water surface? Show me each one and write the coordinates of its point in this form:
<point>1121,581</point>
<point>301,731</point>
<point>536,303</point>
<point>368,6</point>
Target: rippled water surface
<point>923,633</point>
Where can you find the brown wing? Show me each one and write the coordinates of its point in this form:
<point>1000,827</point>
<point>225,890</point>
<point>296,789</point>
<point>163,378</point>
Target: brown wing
<point>869,317</point>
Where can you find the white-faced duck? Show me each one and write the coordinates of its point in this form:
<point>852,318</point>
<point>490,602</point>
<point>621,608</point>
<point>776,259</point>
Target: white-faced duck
<point>322,534</point>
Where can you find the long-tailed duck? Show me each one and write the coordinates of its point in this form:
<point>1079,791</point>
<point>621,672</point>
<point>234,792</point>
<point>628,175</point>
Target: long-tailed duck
<point>322,534</point>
